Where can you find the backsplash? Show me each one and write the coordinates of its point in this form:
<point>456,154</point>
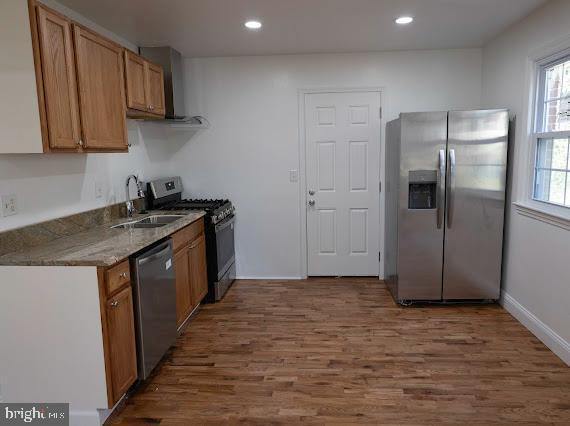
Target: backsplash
<point>20,239</point>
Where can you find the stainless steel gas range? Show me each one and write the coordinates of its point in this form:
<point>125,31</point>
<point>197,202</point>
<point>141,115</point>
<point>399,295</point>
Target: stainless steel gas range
<point>166,194</point>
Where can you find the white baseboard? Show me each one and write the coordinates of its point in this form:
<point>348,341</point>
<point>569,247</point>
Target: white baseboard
<point>543,332</point>
<point>268,278</point>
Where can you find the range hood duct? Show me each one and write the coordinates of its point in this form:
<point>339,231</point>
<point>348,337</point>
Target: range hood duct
<point>171,61</point>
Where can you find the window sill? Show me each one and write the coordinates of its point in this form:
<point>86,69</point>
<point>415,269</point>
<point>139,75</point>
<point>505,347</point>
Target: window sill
<point>542,214</point>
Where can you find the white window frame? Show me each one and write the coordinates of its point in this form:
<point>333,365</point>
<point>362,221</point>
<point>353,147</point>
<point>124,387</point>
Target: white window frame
<point>525,153</point>
<point>543,65</point>
<point>538,122</point>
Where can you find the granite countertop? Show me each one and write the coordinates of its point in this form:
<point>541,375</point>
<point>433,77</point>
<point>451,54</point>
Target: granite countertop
<point>100,245</point>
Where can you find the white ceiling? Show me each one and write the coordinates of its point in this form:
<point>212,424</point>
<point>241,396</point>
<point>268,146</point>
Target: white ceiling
<point>215,27</point>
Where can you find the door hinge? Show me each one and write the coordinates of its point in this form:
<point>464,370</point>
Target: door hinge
<point>379,256</point>
<point>380,186</point>
<point>380,112</point>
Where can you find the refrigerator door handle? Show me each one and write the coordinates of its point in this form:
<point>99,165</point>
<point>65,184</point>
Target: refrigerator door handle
<point>440,188</point>
<point>450,187</point>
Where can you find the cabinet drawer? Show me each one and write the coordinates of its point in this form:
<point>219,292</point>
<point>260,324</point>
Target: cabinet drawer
<point>118,276</point>
<point>187,234</point>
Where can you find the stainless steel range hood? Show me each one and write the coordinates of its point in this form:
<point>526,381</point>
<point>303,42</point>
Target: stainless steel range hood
<point>171,62</point>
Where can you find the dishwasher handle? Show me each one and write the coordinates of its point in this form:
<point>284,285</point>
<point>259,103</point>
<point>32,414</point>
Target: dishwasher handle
<point>156,255</point>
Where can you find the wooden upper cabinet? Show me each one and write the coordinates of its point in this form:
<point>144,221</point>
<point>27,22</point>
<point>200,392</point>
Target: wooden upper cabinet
<point>122,346</point>
<point>155,89</point>
<point>59,80</point>
<point>100,77</point>
<point>135,81</point>
<point>80,85</point>
<point>145,87</point>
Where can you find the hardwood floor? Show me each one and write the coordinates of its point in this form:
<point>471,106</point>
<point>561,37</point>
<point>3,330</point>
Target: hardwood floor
<point>339,351</point>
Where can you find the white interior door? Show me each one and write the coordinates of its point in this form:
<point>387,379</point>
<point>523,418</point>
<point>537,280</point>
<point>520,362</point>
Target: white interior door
<point>342,133</point>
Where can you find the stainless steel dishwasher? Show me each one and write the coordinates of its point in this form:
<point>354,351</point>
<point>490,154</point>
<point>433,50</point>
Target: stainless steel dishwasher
<point>155,305</point>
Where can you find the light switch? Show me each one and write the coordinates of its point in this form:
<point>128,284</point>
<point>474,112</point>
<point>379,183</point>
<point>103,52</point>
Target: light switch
<point>293,175</point>
<point>99,189</point>
<point>9,205</point>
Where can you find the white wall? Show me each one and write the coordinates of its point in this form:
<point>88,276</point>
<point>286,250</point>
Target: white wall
<point>52,185</point>
<point>252,104</point>
<point>536,271</point>
<point>20,130</point>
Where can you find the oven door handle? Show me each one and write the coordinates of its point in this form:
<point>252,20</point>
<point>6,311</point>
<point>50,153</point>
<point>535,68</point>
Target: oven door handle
<point>222,225</point>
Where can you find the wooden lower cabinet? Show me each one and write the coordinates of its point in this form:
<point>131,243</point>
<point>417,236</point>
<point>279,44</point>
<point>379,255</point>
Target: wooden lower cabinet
<point>198,268</point>
<point>118,324</point>
<point>122,347</point>
<point>191,269</point>
<point>183,292</point>
<point>117,310</point>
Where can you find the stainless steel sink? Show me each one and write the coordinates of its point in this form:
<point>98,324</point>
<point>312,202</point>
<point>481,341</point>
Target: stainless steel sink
<point>134,225</point>
<point>161,219</point>
<point>155,221</point>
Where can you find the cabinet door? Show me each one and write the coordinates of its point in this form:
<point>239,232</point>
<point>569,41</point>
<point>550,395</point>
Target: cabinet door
<point>135,70</point>
<point>121,337</point>
<point>198,269</point>
<point>183,293</point>
<point>101,91</point>
<point>155,89</point>
<point>58,74</point>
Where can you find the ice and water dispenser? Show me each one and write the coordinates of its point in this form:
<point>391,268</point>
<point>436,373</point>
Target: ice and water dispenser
<point>422,189</point>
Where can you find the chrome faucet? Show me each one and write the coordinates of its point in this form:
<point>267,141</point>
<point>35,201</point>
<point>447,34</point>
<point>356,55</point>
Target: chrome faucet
<point>129,203</point>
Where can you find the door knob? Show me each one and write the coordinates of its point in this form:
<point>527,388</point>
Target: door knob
<point>311,203</point>
<point>311,192</point>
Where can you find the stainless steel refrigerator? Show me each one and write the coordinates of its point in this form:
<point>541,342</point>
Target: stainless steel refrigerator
<point>445,199</point>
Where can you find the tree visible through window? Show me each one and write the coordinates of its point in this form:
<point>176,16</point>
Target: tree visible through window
<point>552,165</point>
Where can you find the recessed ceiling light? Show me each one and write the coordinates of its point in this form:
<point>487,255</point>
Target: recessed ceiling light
<point>253,25</point>
<point>404,20</point>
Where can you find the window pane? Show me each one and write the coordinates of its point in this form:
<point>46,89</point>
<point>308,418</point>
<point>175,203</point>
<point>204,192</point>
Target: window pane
<point>552,173</point>
<point>557,187</point>
<point>552,154</point>
<point>557,115</point>
<point>544,153</point>
<point>554,82</point>
<point>560,154</point>
<point>566,80</point>
<point>567,201</point>
<point>542,185</point>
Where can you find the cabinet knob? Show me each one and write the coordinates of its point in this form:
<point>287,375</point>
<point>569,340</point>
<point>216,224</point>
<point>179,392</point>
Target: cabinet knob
<point>123,275</point>
<point>114,303</point>
<point>80,142</point>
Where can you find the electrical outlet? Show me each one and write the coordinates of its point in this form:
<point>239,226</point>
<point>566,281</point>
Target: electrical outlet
<point>9,206</point>
<point>98,189</point>
<point>293,175</point>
